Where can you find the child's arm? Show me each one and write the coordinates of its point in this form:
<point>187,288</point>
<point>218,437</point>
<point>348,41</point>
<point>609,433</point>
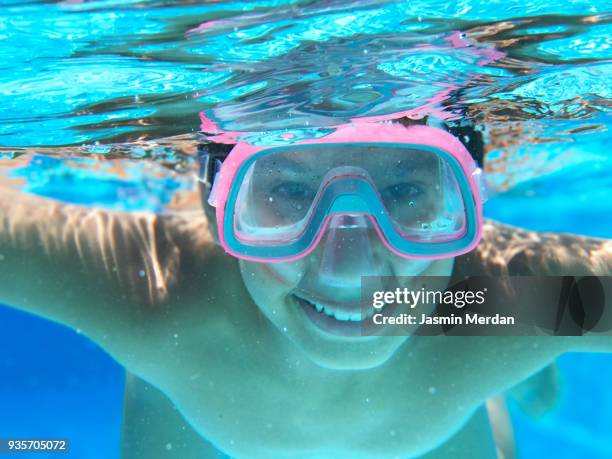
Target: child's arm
<point>93,270</point>
<point>506,249</point>
<point>518,252</point>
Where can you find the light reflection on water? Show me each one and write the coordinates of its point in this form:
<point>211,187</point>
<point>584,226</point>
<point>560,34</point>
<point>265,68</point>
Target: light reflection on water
<point>83,71</point>
<point>97,75</point>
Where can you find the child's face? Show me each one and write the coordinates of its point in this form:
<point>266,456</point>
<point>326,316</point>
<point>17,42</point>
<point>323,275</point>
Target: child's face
<point>315,301</point>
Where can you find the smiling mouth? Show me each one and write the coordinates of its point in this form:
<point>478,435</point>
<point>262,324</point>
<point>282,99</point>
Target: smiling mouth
<point>345,320</point>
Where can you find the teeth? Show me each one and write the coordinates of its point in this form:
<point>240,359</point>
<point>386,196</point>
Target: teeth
<point>355,317</point>
<point>340,315</point>
<point>343,316</point>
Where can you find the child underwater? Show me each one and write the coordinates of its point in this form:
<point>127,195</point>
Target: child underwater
<point>256,355</point>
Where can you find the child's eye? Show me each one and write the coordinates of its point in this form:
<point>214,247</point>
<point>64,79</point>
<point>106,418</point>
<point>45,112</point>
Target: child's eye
<point>404,190</point>
<point>293,191</point>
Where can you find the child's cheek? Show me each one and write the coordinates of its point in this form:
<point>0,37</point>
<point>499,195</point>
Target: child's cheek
<point>280,275</point>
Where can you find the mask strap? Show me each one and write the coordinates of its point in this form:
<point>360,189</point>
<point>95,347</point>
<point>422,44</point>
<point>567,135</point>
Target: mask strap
<point>211,155</point>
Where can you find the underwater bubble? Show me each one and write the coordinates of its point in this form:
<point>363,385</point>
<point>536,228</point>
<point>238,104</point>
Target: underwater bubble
<point>97,148</point>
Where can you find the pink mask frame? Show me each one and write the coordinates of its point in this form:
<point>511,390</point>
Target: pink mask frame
<point>369,132</point>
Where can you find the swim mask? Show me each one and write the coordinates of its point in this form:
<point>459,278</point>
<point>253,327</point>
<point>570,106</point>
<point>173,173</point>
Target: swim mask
<point>416,188</point>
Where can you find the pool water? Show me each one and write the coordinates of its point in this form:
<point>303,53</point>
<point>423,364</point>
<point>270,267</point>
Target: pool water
<point>88,88</point>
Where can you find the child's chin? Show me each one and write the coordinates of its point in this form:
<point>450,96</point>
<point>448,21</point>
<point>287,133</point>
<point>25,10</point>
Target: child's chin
<point>340,353</point>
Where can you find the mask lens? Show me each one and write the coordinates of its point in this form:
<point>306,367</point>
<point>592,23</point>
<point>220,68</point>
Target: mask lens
<point>415,187</point>
<point>275,199</point>
<point>421,194</point>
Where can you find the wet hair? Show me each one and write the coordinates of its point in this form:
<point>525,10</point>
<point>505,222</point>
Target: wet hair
<point>210,157</point>
<point>471,137</point>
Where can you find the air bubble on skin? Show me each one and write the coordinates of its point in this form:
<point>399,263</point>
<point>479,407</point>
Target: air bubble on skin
<point>285,329</point>
<point>176,336</point>
<point>432,390</point>
<point>141,273</point>
<point>367,399</point>
<point>168,446</point>
<point>271,199</point>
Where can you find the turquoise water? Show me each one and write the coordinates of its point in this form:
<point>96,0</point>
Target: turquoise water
<point>76,72</point>
<point>87,88</point>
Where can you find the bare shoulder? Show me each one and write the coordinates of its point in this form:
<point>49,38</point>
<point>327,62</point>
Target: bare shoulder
<point>118,277</point>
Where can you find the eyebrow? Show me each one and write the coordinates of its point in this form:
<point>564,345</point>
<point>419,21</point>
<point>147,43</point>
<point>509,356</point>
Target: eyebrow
<point>414,165</point>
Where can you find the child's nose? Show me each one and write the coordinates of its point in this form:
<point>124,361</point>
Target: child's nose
<point>351,249</point>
